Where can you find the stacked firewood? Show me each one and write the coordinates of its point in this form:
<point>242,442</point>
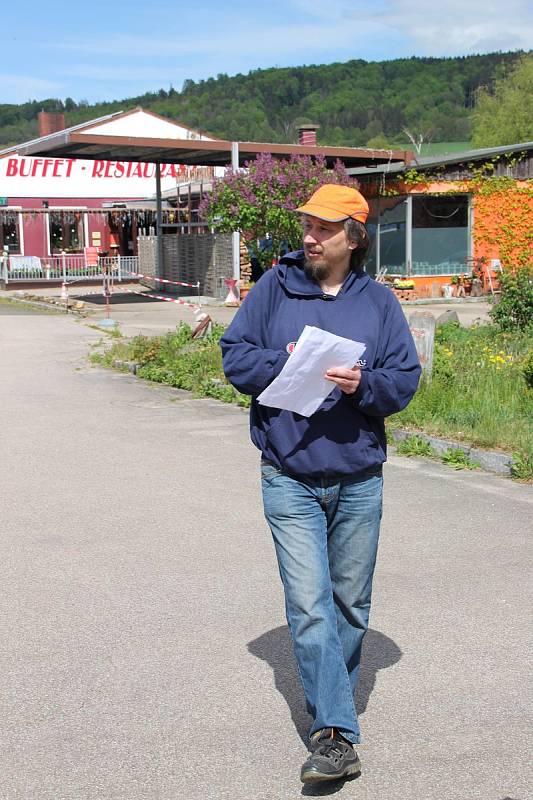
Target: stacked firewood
<point>246,267</point>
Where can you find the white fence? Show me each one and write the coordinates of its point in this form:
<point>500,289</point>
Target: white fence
<point>65,268</point>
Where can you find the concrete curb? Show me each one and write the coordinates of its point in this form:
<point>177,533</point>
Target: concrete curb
<point>459,301</point>
<point>53,307</point>
<point>489,460</point>
<point>33,303</point>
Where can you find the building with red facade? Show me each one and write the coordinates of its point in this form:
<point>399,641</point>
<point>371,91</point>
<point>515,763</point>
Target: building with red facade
<point>54,206</point>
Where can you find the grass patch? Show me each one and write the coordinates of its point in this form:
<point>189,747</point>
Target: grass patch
<point>176,359</point>
<point>480,394</point>
<point>479,391</point>
<point>114,333</point>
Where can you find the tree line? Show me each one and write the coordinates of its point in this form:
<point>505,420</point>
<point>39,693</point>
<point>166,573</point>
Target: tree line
<point>356,103</point>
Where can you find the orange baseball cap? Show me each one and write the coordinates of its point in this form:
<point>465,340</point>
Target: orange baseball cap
<point>334,203</point>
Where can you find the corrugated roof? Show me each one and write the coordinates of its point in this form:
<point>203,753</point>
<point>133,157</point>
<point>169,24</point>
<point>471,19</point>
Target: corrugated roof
<point>80,142</point>
<point>428,162</point>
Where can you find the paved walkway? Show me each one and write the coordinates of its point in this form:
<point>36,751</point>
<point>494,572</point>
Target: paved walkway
<point>143,649</point>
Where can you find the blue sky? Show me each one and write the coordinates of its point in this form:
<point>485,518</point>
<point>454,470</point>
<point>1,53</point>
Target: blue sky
<point>105,50</point>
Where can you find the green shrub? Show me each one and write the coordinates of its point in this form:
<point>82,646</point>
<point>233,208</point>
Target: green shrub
<point>144,349</point>
<point>515,308</point>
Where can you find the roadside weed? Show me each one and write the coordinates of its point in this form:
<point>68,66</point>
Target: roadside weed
<point>176,359</point>
<point>114,333</point>
<point>457,458</point>
<point>415,446</point>
<point>522,467</point>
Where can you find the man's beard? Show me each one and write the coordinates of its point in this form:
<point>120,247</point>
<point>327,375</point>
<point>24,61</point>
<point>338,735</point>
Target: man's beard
<point>317,272</point>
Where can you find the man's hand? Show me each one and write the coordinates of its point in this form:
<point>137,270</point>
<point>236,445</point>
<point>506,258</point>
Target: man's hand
<point>346,379</point>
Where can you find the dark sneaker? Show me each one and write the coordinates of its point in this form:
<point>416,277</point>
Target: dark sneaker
<point>332,758</point>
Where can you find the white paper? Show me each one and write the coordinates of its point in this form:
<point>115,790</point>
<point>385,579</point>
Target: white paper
<point>301,386</point>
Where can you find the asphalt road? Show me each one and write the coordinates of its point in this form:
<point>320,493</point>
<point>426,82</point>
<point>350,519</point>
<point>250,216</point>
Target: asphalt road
<point>143,647</point>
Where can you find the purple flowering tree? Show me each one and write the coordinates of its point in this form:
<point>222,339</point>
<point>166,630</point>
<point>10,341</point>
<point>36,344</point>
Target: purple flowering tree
<point>260,201</point>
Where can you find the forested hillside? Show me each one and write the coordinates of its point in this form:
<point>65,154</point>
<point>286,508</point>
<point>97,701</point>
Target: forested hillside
<point>355,103</point>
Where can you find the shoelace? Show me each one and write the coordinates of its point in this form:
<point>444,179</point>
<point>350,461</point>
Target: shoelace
<point>331,748</point>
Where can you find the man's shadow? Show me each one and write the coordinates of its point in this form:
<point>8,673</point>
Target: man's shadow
<point>275,647</point>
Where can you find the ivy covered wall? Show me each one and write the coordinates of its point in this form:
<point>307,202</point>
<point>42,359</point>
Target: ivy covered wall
<point>502,224</point>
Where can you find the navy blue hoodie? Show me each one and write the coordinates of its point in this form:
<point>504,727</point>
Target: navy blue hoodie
<point>346,435</point>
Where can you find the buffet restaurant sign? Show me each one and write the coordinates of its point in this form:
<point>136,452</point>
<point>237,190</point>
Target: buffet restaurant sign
<point>69,177</point>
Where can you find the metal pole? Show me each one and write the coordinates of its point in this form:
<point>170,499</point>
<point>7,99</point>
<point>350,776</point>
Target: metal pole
<point>159,223</point>
<point>106,289</point>
<point>235,238</point>
<point>409,235</point>
<point>4,259</point>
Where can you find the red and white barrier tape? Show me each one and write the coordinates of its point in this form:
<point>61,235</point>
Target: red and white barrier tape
<point>160,297</point>
<point>121,289</point>
<point>165,280</point>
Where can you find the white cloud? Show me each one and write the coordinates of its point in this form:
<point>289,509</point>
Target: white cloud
<point>456,26</point>
<point>449,27</point>
<point>314,29</point>
<point>20,88</point>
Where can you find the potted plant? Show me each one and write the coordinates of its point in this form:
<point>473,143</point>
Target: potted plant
<point>402,284</point>
<point>244,289</point>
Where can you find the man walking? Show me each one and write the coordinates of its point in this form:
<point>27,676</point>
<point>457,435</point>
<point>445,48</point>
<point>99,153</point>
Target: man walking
<point>322,475</point>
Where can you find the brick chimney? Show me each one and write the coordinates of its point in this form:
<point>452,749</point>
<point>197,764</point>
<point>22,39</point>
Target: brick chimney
<point>50,122</point>
<point>307,134</point>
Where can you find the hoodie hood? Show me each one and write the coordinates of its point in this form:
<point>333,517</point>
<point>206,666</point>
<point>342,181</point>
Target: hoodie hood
<point>291,275</point>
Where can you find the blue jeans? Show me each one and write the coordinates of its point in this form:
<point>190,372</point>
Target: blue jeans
<point>326,537</point>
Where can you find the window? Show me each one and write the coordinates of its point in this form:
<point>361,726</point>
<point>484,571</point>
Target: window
<point>440,234</point>
<point>9,232</point>
<point>66,232</point>
<point>392,234</point>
